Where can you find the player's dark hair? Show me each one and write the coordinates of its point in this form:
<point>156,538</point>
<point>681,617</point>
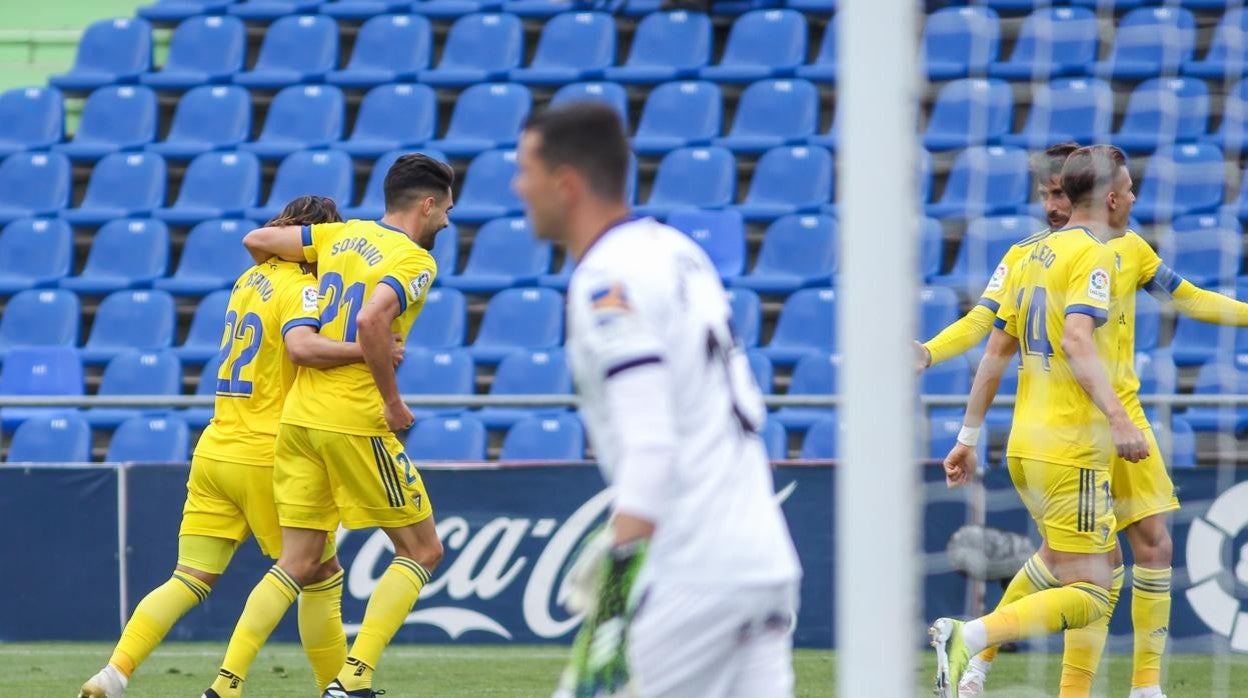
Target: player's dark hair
<point>1089,171</point>
<point>589,138</point>
<point>415,177</point>
<point>307,210</point>
<point>1048,164</point>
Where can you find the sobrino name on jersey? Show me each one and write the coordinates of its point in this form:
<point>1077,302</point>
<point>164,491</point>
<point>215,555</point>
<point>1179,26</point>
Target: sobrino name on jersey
<point>361,246</point>
<point>261,283</point>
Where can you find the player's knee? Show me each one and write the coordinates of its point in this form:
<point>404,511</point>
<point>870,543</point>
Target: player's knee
<point>426,552</point>
<point>207,578</point>
<point>304,571</point>
<point>1151,545</point>
<point>325,570</point>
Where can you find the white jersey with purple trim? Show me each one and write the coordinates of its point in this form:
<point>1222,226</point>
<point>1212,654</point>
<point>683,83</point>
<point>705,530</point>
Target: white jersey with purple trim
<point>645,295</point>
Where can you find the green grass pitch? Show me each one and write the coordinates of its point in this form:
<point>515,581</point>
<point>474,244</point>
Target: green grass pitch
<point>441,671</point>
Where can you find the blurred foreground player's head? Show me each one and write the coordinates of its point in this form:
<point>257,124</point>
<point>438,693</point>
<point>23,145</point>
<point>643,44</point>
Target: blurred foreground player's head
<point>572,172</point>
<point>418,196</point>
<point>1046,167</point>
<point>307,210</point>
<point>1098,185</point>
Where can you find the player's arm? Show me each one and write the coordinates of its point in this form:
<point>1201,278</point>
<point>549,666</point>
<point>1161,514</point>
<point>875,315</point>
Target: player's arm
<point>1089,371</point>
<point>1208,306</point>
<point>286,241</point>
<point>961,463</point>
<point>958,338</point>
<point>307,347</point>
<point>373,333</point>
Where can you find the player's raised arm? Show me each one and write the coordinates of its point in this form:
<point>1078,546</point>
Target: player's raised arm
<point>958,337</point>
<point>287,242</point>
<point>373,334</point>
<point>1208,306</point>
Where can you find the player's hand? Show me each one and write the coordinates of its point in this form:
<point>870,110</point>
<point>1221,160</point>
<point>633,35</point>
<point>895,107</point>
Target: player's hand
<point>922,357</point>
<point>960,465</point>
<point>398,416</point>
<point>398,351</point>
<point>1129,441</point>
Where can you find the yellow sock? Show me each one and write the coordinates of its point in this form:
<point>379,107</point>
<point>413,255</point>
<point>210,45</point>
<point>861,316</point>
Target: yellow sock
<point>1033,577</point>
<point>265,607</point>
<point>320,628</point>
<point>155,614</point>
<point>1044,612</point>
<point>392,600</point>
<point>1150,617</point>
<point>1084,647</point>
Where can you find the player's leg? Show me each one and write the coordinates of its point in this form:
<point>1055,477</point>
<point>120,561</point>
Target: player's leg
<point>320,620</point>
<point>763,663</point>
<point>681,641</point>
<point>1084,646</point>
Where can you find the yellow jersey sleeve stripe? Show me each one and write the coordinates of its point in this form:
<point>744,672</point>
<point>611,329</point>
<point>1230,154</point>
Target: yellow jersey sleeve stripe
<point>1098,314</point>
<point>300,322</point>
<point>398,291</point>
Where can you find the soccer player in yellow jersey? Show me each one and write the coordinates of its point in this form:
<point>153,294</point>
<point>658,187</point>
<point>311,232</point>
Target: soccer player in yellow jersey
<point>337,460</point>
<point>270,326</point>
<point>1068,420</point>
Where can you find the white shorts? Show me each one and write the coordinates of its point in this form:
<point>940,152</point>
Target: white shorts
<point>714,643</point>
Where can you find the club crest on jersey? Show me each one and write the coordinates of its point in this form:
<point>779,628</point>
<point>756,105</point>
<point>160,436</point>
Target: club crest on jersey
<point>998,278</point>
<point>612,297</point>
<point>310,299</point>
<point>418,285</point>
<point>1098,285</point>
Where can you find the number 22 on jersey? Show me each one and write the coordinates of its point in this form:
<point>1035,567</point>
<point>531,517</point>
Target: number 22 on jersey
<point>248,331</point>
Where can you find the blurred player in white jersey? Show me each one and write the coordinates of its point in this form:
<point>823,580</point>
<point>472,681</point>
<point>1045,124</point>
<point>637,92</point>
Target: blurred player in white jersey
<point>673,413</point>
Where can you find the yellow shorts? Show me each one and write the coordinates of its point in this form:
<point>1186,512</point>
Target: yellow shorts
<point>1073,507</point>
<point>1141,489</point>
<point>321,478</point>
<point>231,501</point>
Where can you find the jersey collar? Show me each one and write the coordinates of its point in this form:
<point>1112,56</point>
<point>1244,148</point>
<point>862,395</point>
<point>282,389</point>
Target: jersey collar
<point>387,226</point>
<point>611,227</point>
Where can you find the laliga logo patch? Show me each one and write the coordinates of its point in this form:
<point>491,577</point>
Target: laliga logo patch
<point>1207,540</point>
<point>1098,285</point>
<point>310,298</point>
<point>998,278</point>
<point>418,285</point>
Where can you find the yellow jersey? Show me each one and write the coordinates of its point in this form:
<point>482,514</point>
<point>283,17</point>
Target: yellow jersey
<point>1137,266</point>
<point>353,259</point>
<point>255,373</point>
<point>1055,421</point>
<point>997,290</point>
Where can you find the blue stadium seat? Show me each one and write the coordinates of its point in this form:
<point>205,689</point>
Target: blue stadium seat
<point>960,41</point>
<point>1228,53</point>
<point>210,117</point>
<point>519,318</point>
<point>1204,221</point>
<point>573,46</point>
<point>938,307</point>
<point>363,9</point>
<point>453,9</point>
<point>34,253</point>
<point>448,438</point>
<point>110,51</point>
<point>539,9</point>
<point>679,114</point>
<point>215,185</point>
<point>427,371</point>
<point>942,434</point>
<point>951,377</point>
<point>797,252</point>
<point>667,46</point>
<point>985,243</point>
<point>40,317</point>
<point>443,322</point>
<point>486,117</point>
<point>788,179</point>
<point>816,373</point>
<point>807,323</point>
<point>203,50</point>
<point>1053,41</point>
<point>1179,181</point>
<point>1232,133</point>
<point>971,111</point>
<point>130,320</point>
<point>479,48</point>
<point>212,258</point>
<point>33,118</point>
<point>121,185</point>
<point>504,254</point>
<point>1068,109</point>
<point>321,172</point>
<point>121,117</point>
<point>47,371</point>
<point>721,234</point>
<point>135,372</point>
<point>269,10</point>
<point>701,177</point>
<point>296,49</point>
<point>610,93</point>
<point>1147,322</point>
<point>161,439</point>
<point>823,68</point>
<point>525,372</point>
<point>1182,442</point>
<point>1220,377</point>
<point>822,440</point>
<point>1204,257</point>
<point>206,386</point>
<point>392,117</point>
<point>1157,372</point>
<point>772,113</point>
<point>388,48</point>
<point>125,253</point>
<point>555,438</point>
<point>1195,343</point>
<point>762,370</point>
<point>203,339</point>
<point>1150,41</point>
<point>931,248</point>
<point>178,10</point>
<point>300,117</point>
<point>1163,111</point>
<point>761,44</point>
<point>33,184</point>
<point>640,8</point>
<point>747,315</point>
<point>985,181</point>
<point>1113,5</point>
<point>373,203</point>
<point>61,439</point>
<point>487,192</point>
<point>775,440</point>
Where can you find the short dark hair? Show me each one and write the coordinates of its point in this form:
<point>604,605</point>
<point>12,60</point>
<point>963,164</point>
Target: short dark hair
<point>307,210</point>
<point>1048,164</point>
<point>1090,170</point>
<point>415,176</point>
<point>588,137</point>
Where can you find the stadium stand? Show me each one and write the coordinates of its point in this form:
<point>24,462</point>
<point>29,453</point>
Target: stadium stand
<point>203,50</point>
<point>114,118</point>
<point>33,117</point>
<point>124,254</point>
<point>34,253</point>
<point>208,117</point>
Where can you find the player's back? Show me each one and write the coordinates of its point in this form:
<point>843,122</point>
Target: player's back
<point>255,373</point>
<point>353,259</point>
<point>1068,272</point>
<point>719,522</point>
